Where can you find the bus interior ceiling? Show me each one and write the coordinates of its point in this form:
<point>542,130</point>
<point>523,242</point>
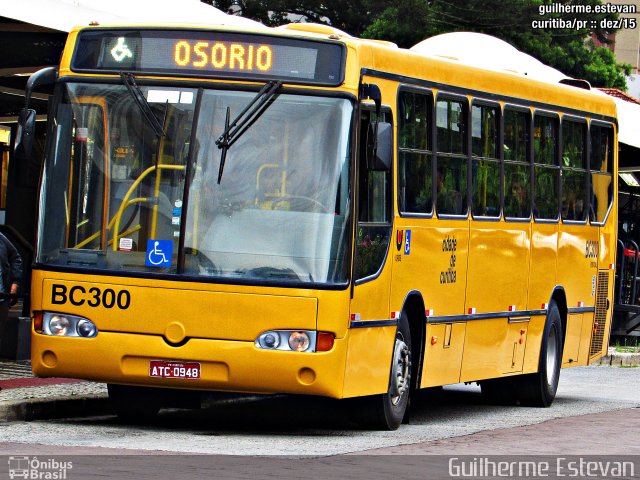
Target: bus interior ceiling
<point>626,318</point>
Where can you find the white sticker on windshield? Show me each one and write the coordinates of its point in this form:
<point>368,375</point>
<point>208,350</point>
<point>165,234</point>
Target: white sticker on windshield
<point>163,96</point>
<point>186,97</point>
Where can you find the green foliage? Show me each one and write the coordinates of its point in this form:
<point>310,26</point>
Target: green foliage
<point>408,22</point>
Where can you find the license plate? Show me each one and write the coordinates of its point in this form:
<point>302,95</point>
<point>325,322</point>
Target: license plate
<point>163,369</point>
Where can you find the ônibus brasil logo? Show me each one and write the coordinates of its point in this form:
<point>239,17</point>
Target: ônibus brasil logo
<point>33,468</point>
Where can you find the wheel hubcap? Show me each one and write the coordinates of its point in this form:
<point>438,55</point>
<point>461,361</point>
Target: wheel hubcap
<point>552,353</point>
<point>401,371</point>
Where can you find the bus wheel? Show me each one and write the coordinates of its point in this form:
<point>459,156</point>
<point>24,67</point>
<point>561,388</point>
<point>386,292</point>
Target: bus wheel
<point>133,404</point>
<point>539,389</point>
<point>387,410</point>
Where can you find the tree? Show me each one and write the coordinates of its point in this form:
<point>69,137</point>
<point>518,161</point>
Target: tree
<point>558,33</point>
<point>352,16</point>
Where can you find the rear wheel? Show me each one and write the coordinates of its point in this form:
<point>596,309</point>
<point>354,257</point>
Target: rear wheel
<point>387,410</point>
<point>539,389</point>
<point>535,389</point>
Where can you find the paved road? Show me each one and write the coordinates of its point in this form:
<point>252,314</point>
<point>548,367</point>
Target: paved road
<point>298,427</point>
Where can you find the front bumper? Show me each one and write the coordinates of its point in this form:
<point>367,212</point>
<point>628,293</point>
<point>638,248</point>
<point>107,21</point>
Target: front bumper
<point>236,366</point>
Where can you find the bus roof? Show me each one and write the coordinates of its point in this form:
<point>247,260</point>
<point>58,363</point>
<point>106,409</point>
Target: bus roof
<point>429,64</point>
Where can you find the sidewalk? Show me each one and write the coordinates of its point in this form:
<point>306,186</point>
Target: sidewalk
<point>25,397</point>
<point>617,359</point>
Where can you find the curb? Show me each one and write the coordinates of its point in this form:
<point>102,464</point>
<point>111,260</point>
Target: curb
<point>621,360</point>
<point>60,407</point>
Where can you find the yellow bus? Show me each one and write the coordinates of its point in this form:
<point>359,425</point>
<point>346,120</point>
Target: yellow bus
<point>297,211</point>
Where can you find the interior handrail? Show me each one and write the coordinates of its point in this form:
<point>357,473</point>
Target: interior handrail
<point>111,222</point>
<point>133,186</point>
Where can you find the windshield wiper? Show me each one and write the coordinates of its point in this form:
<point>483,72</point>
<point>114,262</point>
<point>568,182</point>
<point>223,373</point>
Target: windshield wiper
<point>129,81</point>
<point>234,130</point>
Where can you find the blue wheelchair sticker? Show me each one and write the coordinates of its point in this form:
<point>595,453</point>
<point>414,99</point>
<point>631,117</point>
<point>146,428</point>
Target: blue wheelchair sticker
<point>159,253</point>
<point>407,242</point>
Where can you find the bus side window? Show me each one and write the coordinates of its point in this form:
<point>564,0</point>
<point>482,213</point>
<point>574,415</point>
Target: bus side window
<point>374,206</point>
<point>601,166</point>
<point>546,169</point>
<point>574,175</point>
<point>517,167</point>
<point>451,181</point>
<point>415,155</point>
<point>485,163</point>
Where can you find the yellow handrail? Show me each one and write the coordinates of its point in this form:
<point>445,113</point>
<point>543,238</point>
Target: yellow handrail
<point>128,232</point>
<point>133,186</point>
<point>110,226</point>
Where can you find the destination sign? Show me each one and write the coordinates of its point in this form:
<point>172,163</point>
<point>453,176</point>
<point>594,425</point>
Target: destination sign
<point>209,54</point>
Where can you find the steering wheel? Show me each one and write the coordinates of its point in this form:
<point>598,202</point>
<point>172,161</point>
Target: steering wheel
<point>316,204</point>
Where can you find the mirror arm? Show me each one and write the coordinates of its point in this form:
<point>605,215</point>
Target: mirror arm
<point>45,76</point>
<point>371,91</point>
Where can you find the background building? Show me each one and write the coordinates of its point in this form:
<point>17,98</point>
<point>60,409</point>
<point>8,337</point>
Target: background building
<point>626,45</point>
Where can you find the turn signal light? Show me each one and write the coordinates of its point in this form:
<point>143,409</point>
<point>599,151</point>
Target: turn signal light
<point>324,341</point>
<point>37,321</point>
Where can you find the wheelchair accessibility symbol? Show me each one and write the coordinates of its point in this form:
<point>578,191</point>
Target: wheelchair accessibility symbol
<point>159,253</point>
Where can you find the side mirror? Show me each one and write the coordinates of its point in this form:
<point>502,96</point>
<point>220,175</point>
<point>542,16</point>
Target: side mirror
<point>24,134</point>
<point>27,116</point>
<point>379,146</point>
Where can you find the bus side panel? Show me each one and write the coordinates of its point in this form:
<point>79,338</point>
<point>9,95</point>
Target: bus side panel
<point>577,265</point>
<point>493,348</point>
<point>368,360</point>
<point>542,281</point>
<point>573,339</point>
<point>577,274</point>
<point>436,266</point>
<point>498,256</point>
<point>443,354</point>
<point>544,247</point>
<point>498,252</point>
<point>370,348</point>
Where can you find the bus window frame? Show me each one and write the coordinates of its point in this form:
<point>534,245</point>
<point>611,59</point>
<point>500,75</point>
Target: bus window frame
<point>556,166</point>
<point>529,160</point>
<point>586,138</point>
<point>182,276</point>
<point>500,158</point>
<point>613,148</point>
<point>466,141</point>
<point>367,106</point>
<point>431,139</point>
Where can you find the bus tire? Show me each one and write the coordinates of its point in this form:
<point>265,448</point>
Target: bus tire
<point>133,404</point>
<point>539,389</point>
<point>386,411</point>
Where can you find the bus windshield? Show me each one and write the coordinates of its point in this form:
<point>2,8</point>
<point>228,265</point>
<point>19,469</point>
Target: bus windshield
<point>124,194</point>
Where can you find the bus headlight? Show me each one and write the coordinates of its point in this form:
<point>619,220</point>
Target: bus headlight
<point>61,325</point>
<point>296,340</point>
<point>299,341</point>
<point>269,340</point>
<point>86,328</point>
<point>287,340</point>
